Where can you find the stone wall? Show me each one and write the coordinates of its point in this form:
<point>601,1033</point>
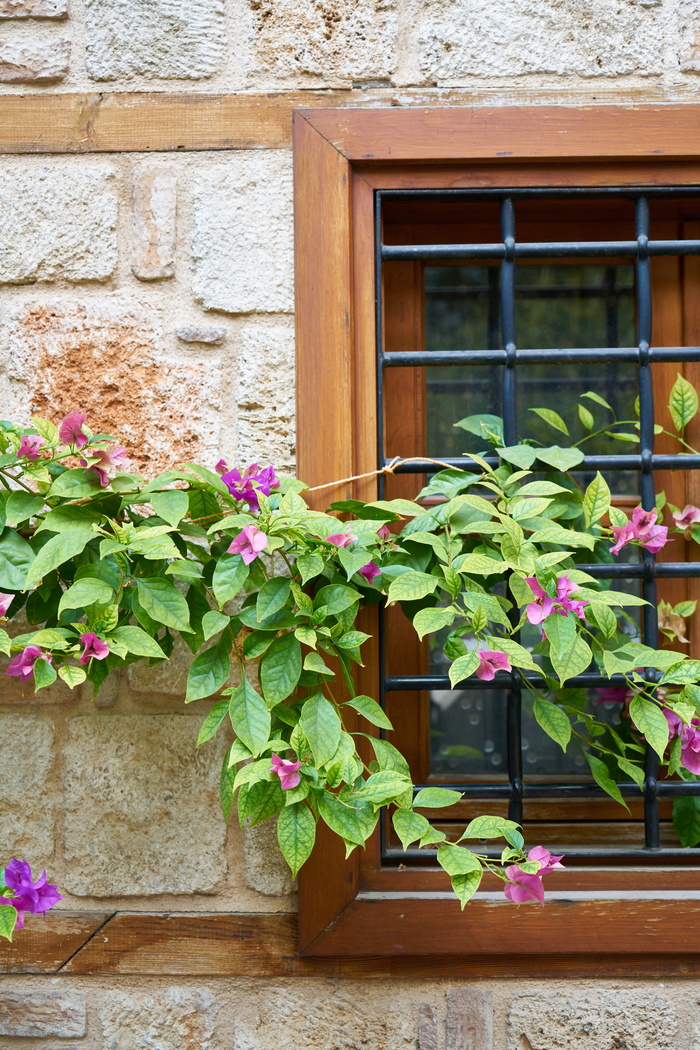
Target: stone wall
<point>155,292</point>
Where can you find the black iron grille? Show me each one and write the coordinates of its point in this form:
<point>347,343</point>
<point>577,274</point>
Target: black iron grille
<point>507,252</point>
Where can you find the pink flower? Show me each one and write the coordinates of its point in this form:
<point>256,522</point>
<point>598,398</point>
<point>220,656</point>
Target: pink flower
<point>548,861</point>
<point>34,897</point>
<point>370,571</point>
<point>384,533</point>
<point>22,666</point>
<point>221,467</point>
<point>109,461</point>
<point>523,886</point>
<point>690,515</point>
<point>6,601</point>
<point>246,486</point>
<point>249,543</point>
<point>287,771</point>
<point>341,539</point>
<point>643,528</point>
<point>565,587</point>
<point>690,740</point>
<point>93,647</point>
<point>71,429</point>
<point>543,605</point>
<point>29,446</point>
<point>491,661</point>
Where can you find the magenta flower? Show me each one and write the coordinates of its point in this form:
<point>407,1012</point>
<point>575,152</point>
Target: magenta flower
<point>565,587</point>
<point>491,661</point>
<point>109,462</point>
<point>546,859</point>
<point>384,533</point>
<point>690,515</point>
<point>71,429</point>
<point>249,543</point>
<point>22,666</point>
<point>221,467</point>
<point>341,539</point>
<point>287,771</point>
<point>246,486</point>
<point>6,601</point>
<point>29,446</point>
<point>643,528</point>
<point>690,740</point>
<point>370,571</point>
<point>523,887</point>
<point>34,897</point>
<point>92,647</point>
<point>543,605</point>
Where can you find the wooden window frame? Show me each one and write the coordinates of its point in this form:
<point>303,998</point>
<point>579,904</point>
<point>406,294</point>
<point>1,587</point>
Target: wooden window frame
<point>607,920</point>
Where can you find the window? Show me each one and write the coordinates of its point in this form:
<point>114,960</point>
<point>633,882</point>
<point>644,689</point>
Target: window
<point>347,187</point>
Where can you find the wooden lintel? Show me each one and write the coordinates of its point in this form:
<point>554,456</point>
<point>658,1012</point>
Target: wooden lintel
<point>48,942</point>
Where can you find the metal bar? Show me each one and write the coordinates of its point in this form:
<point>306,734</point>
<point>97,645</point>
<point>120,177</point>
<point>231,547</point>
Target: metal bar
<point>655,856</point>
<point>530,790</point>
<point>432,358</point>
<point>536,250</point>
<point>668,570</point>
<point>588,680</point>
<point>553,193</point>
<point>625,462</point>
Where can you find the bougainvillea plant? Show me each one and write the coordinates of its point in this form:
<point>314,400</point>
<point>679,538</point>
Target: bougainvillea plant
<point>107,568</point>
<point>20,893</point>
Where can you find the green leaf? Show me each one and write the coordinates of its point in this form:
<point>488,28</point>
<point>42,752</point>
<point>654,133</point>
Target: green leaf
<point>553,720</point>
<point>553,418</point>
<point>226,782</point>
<point>48,430</point>
<point>586,417</point>
<point>596,500</point>
<point>651,722</point>
<point>321,726</point>
<point>72,675</point>
<point>465,886</point>
<point>230,574</point>
<point>516,653</point>
<point>138,642</point>
<point>208,672</point>
<point>686,819</point>
<point>383,787</point>
<point>8,918</point>
<point>370,710</point>
<point>457,860</point>
<point>409,826</point>
<point>604,617</point>
<point>280,668</point>
<point>560,631</point>
<point>21,506</point>
<point>309,566</point>
<point>258,802</point>
<point>186,570</point>
<point>84,593</point>
<point>554,533</point>
<point>213,622</point>
<point>73,484</point>
<point>683,403</point>
<point>410,586</point>
<point>336,598</point>
<point>213,720</point>
<point>5,642</point>
<point>354,821</point>
<point>15,558</point>
<point>428,620</point>
<point>59,549</point>
<point>592,396</point>
<point>171,505</point>
<point>462,668</point>
<point>603,779</point>
<point>522,456</point>
<point>479,564</point>
<point>560,458</point>
<point>314,662</point>
<point>574,661</point>
<point>436,798</point>
<point>272,597</point>
<point>250,717</point>
<point>164,603</point>
<point>482,424</point>
<point>296,833</point>
<point>686,672</point>
<point>489,827</point>
<point>44,674</point>
<point>389,757</point>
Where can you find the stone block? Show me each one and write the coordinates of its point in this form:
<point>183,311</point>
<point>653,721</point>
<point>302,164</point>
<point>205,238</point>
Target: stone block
<point>242,245</point>
<point>26,789</point>
<point>688,15</point>
<point>333,41</point>
<point>629,1018</point>
<point>33,8</point>
<point>265,399</point>
<point>142,807</point>
<point>168,678</point>
<point>427,1028</point>
<point>105,356</point>
<point>192,333</point>
<point>33,61</point>
<point>469,1020</point>
<point>154,223</point>
<point>176,1019</point>
<point>169,39</point>
<point>57,222</point>
<point>458,40</point>
<point>35,1014</point>
<point>265,868</point>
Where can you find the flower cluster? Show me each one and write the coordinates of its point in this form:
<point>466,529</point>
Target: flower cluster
<point>544,604</point>
<point>28,895</point>
<point>690,740</point>
<point>527,886</point>
<point>643,528</point>
<point>247,485</point>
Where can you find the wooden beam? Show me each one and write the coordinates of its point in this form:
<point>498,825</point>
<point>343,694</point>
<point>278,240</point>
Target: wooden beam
<point>48,942</point>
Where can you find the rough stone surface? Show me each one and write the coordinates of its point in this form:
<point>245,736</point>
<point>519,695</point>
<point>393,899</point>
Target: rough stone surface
<point>142,813</point>
<point>105,355</point>
<point>35,1014</point>
<point>487,38</point>
<point>33,61</point>
<point>199,334</point>
<point>57,222</point>
<point>168,678</point>
<point>26,795</point>
<point>265,868</point>
<point>266,406</point>
<point>178,1019</point>
<point>608,1020</point>
<point>329,39</point>
<point>154,227</point>
<point>33,8</point>
<point>469,1021</point>
<point>242,245</point>
<point>177,39</point>
<point>689,32</point>
<point>427,1028</point>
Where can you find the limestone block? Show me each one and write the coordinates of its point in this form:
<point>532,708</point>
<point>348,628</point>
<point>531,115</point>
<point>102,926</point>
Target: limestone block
<point>35,1014</point>
<point>105,356</point>
<point>689,31</point>
<point>334,40</point>
<point>490,38</point>
<point>33,8</point>
<point>242,245</point>
<point>265,868</point>
<point>155,202</point>
<point>191,333</point>
<point>266,405</point>
<point>469,1021</point>
<point>427,1028</point>
<point>26,791</point>
<point>33,61</point>
<point>168,678</point>
<point>601,1021</point>
<point>57,223</point>
<point>172,39</point>
<point>142,807</point>
<point>176,1019</point>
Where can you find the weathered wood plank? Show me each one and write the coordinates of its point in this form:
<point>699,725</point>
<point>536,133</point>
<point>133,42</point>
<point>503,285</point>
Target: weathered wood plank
<point>48,942</point>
